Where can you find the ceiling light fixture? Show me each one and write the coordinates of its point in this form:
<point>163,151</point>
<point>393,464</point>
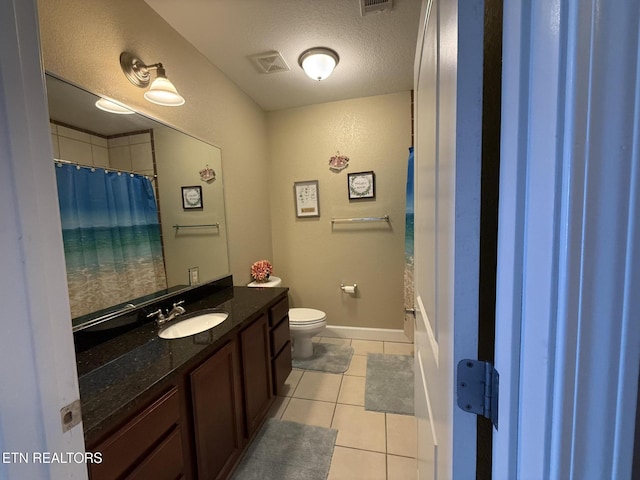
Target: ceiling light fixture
<point>161,91</point>
<point>318,62</point>
<point>113,107</point>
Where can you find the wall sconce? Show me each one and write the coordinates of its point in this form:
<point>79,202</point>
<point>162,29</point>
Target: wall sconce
<point>161,91</point>
<point>318,62</point>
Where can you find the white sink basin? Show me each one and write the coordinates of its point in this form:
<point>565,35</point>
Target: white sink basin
<point>198,322</point>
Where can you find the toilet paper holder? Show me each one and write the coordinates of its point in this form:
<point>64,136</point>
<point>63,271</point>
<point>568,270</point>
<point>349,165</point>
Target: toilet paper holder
<point>350,289</point>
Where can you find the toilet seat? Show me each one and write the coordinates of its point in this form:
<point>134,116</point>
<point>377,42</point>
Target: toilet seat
<point>306,316</point>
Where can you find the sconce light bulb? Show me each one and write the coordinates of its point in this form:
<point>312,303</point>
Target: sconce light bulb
<point>162,92</point>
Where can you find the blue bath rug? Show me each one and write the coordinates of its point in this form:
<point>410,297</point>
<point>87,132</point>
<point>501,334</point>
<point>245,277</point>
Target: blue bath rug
<point>389,384</point>
<point>285,450</point>
<point>327,357</point>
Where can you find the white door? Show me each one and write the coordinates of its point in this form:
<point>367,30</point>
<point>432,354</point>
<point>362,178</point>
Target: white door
<point>38,372</point>
<point>448,125</point>
<point>567,303</point>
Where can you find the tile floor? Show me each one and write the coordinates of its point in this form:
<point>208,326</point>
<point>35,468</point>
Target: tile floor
<point>370,445</point>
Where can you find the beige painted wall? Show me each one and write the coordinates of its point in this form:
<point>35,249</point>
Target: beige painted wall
<point>312,257</point>
<point>82,41</point>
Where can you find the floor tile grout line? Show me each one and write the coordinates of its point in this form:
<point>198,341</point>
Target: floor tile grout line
<point>335,407</point>
<point>362,449</point>
<point>376,451</point>
<point>298,384</point>
<point>386,433</point>
<point>386,442</point>
<point>313,400</point>
<point>401,456</point>
<point>386,448</point>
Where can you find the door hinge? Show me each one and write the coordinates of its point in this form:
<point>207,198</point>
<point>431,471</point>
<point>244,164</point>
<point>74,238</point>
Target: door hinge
<point>477,389</point>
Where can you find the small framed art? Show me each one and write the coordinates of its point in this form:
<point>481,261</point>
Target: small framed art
<point>307,198</point>
<point>192,197</point>
<point>361,185</point>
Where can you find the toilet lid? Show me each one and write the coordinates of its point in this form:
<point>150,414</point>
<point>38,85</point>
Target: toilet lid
<point>305,316</point>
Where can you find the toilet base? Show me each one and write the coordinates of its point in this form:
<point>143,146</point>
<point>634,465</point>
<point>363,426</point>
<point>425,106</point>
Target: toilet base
<point>302,347</point>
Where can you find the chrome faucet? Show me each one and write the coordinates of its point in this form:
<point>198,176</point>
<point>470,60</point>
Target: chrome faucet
<point>176,310</point>
<point>171,314</point>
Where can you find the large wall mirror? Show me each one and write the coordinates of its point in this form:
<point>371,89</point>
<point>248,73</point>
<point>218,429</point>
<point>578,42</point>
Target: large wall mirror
<point>142,205</point>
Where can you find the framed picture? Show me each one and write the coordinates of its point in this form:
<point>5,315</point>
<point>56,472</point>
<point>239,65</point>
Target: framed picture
<point>307,198</point>
<point>192,197</point>
<point>361,185</point>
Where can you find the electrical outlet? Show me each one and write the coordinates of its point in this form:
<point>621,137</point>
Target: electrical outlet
<point>193,276</point>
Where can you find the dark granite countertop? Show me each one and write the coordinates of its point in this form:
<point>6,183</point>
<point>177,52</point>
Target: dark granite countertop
<point>117,377</point>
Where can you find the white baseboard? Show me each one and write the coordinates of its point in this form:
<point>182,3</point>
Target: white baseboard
<point>379,334</point>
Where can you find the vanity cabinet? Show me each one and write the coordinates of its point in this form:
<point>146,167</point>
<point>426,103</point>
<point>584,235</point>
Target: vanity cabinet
<point>196,422</point>
<point>256,371</point>
<point>216,402</point>
<point>280,340</point>
<point>148,446</point>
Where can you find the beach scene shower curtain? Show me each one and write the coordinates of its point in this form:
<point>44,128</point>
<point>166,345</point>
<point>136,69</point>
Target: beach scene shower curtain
<point>111,234</point>
<point>408,253</point>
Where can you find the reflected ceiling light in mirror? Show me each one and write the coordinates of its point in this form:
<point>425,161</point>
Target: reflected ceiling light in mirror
<point>113,107</point>
<point>318,62</point>
<point>161,91</point>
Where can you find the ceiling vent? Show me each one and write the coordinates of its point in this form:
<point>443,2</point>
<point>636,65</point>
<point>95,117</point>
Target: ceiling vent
<point>371,6</point>
<point>270,62</point>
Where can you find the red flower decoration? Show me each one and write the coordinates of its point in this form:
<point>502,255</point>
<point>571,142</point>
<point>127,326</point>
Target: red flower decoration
<point>261,270</point>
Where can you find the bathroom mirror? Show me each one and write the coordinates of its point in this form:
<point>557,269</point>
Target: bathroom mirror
<point>190,242</point>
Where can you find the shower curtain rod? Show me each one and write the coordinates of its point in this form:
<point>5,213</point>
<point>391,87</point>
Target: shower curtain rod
<point>117,170</point>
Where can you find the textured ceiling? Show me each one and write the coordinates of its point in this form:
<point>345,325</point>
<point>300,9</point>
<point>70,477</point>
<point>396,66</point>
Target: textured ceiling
<point>376,51</point>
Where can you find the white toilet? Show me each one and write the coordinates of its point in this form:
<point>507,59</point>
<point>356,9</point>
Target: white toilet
<point>304,323</point>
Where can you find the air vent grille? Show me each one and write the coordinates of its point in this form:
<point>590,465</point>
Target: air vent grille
<point>371,6</point>
<point>270,62</point>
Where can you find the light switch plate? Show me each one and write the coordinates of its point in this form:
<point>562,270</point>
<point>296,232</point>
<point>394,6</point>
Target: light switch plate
<point>194,276</point>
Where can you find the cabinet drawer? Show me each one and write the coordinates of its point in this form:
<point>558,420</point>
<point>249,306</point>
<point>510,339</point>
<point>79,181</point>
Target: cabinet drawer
<point>165,462</point>
<point>281,368</point>
<point>279,311</point>
<point>279,336</point>
<point>125,448</point>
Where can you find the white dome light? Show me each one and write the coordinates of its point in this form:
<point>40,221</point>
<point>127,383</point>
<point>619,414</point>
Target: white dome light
<point>318,63</point>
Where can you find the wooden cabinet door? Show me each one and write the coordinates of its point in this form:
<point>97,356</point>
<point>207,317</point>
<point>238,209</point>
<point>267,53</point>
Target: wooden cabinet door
<point>256,370</point>
<point>216,398</point>
<point>144,440</point>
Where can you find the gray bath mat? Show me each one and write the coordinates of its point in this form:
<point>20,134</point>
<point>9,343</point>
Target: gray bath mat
<point>327,357</point>
<point>389,384</point>
<point>285,450</point>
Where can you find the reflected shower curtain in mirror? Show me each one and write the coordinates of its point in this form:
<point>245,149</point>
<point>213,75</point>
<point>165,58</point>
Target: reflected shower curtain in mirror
<point>111,237</point>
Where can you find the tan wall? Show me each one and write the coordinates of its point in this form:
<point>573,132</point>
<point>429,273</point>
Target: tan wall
<point>82,41</point>
<point>312,257</point>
